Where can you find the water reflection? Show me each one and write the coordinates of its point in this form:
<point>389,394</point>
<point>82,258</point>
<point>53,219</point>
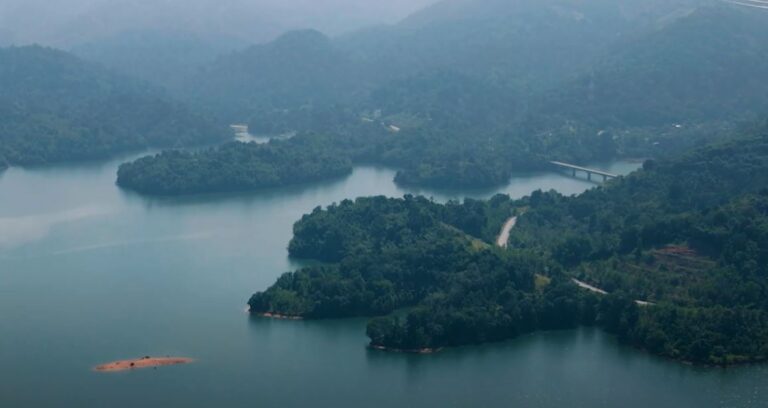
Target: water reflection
<point>16,231</point>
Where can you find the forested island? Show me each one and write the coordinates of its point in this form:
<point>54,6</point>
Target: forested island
<point>233,166</point>
<point>688,235</point>
<point>421,158</point>
<point>55,107</point>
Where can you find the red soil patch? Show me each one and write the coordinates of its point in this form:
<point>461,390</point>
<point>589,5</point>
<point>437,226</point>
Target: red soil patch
<point>144,362</point>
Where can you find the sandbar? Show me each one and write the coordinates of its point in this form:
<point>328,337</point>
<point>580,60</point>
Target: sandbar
<point>144,362</point>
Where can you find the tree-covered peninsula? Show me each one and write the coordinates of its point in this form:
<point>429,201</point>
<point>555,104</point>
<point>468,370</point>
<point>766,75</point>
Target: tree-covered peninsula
<point>233,167</point>
<point>681,247</point>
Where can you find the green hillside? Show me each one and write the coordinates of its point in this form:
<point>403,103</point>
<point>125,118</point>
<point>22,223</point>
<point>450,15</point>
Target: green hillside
<point>55,107</point>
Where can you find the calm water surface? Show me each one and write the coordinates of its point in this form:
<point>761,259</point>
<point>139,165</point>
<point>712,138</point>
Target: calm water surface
<point>91,274</point>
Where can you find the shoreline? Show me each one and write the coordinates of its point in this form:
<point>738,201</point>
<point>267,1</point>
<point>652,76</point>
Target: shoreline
<point>722,365</point>
<point>276,316</point>
<point>422,351</point>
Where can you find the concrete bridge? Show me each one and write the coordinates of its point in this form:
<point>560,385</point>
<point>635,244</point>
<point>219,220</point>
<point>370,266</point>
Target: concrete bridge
<point>574,169</point>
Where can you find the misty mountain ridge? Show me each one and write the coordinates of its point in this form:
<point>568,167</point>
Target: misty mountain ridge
<point>707,66</point>
<point>162,57</point>
<point>542,78</point>
<point>57,107</point>
<point>299,68</point>
<point>77,22</point>
<point>525,48</point>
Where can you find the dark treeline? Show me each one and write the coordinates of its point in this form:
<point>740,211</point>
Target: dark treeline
<point>439,158</point>
<point>688,235</point>
<point>234,167</point>
<point>55,107</point>
<point>383,255</point>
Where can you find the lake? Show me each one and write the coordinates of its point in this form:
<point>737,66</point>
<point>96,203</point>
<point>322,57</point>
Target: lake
<point>91,274</point>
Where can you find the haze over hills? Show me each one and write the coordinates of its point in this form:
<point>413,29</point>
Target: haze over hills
<point>524,48</point>
<point>73,22</point>
<point>56,107</point>
<point>163,57</point>
<point>166,42</point>
<point>472,91</point>
<point>521,43</point>
<point>298,68</point>
<point>592,174</point>
<point>707,66</point>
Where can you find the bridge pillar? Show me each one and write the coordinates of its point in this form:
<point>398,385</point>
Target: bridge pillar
<point>589,176</point>
<point>574,172</point>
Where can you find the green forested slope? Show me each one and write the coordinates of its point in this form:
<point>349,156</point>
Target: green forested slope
<point>688,235</point>
<point>707,66</point>
<point>55,107</point>
<point>234,167</point>
<point>480,92</point>
<point>298,70</point>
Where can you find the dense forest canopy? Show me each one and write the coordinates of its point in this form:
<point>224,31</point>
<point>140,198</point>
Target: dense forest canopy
<point>705,67</point>
<point>640,81</point>
<point>462,93</point>
<point>234,167</point>
<point>467,158</point>
<point>675,234</point>
<point>56,107</point>
<point>471,91</point>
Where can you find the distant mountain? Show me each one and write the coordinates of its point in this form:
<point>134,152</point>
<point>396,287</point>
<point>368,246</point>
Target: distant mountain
<point>473,90</point>
<point>164,58</point>
<point>631,11</point>
<point>56,107</point>
<point>443,99</point>
<point>710,65</point>
<point>522,44</point>
<point>519,47</point>
<point>298,69</point>
<point>67,23</point>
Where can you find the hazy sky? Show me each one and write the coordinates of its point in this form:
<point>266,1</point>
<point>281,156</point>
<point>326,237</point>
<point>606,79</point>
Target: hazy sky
<point>69,22</point>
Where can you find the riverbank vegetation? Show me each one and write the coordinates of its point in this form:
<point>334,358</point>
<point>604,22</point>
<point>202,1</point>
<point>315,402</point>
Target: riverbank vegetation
<point>690,235</point>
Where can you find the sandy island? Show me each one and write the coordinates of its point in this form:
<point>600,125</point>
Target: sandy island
<point>144,362</point>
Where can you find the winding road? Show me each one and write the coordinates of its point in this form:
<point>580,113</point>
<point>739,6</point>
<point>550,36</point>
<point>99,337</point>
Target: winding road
<point>503,242</point>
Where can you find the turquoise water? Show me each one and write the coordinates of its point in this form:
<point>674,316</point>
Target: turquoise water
<point>91,274</point>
